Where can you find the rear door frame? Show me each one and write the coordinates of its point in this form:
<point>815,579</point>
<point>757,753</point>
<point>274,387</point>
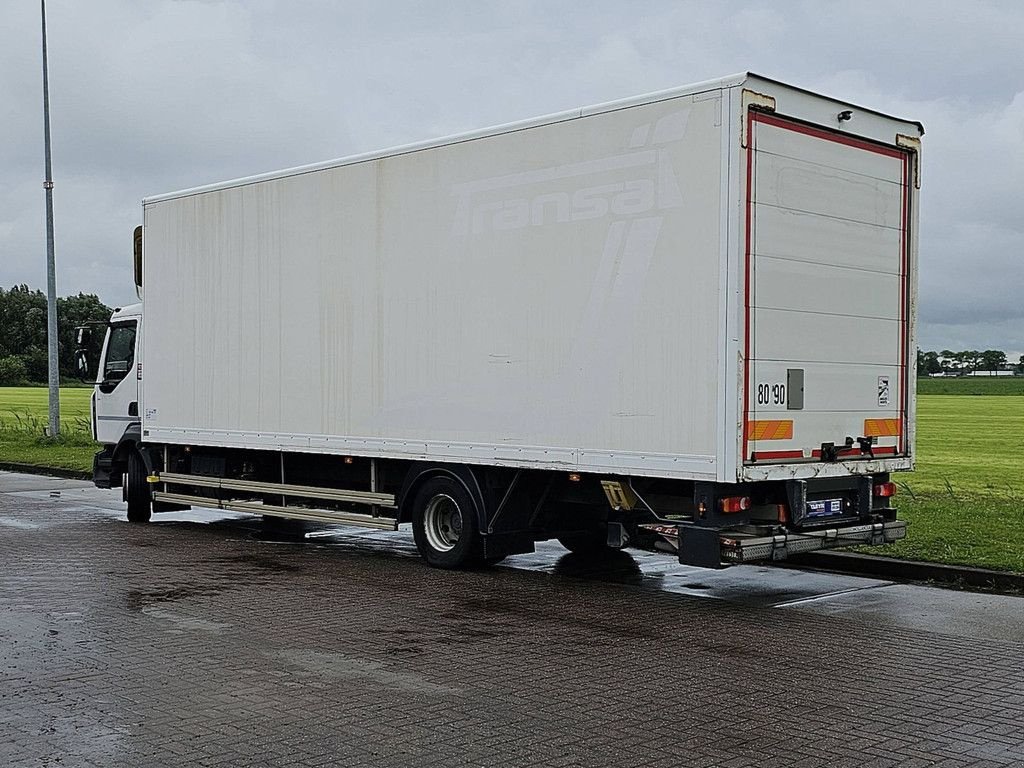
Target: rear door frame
<point>897,138</point>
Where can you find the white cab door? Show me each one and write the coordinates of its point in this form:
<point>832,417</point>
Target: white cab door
<point>116,397</point>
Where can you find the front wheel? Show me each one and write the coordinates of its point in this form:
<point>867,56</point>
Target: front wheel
<point>136,490</point>
<point>444,524</point>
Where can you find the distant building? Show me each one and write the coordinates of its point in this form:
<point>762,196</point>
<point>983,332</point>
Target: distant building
<point>1007,372</point>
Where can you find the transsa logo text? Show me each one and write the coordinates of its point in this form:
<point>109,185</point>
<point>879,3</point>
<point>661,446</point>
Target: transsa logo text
<point>628,183</point>
<point>626,199</point>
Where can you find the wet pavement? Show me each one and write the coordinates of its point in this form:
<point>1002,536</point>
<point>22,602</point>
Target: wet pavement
<point>198,640</point>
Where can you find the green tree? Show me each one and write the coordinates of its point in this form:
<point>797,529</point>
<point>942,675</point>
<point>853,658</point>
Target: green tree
<point>23,329</point>
<point>73,311</point>
<point>12,371</point>
<point>947,359</point>
<point>992,360</point>
<point>928,363</point>
<point>21,310</point>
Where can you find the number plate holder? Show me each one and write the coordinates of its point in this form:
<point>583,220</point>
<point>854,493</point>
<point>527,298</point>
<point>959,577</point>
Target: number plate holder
<point>818,508</point>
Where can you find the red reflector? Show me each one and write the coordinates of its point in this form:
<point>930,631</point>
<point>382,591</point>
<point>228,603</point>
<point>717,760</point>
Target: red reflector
<point>734,504</point>
<point>783,513</point>
<point>885,490</point>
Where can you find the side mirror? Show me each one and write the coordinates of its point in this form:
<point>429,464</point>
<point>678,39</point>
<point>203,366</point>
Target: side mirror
<point>82,335</point>
<point>81,363</point>
<point>137,259</point>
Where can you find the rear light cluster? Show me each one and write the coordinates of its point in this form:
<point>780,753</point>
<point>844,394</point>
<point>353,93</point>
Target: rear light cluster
<point>734,504</point>
<point>885,490</point>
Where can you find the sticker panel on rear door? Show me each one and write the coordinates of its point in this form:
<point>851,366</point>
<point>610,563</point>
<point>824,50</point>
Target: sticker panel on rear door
<point>883,391</point>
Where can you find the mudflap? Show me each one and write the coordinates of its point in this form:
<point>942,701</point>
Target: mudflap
<point>103,474</point>
<point>699,546</point>
<point>498,545</point>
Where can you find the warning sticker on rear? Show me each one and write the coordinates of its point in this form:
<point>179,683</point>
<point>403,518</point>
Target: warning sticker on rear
<point>883,390</point>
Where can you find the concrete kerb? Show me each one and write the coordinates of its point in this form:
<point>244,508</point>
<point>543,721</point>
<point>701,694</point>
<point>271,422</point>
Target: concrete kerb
<point>960,576</point>
<point>32,469</point>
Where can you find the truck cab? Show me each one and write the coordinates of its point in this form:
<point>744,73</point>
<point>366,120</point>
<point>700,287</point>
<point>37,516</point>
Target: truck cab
<point>114,407</point>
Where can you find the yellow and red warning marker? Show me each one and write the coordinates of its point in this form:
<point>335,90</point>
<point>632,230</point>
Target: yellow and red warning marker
<point>779,429</point>
<point>881,427</point>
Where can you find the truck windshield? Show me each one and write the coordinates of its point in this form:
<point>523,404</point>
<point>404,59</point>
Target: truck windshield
<point>120,351</point>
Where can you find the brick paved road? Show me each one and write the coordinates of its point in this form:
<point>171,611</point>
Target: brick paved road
<point>177,644</point>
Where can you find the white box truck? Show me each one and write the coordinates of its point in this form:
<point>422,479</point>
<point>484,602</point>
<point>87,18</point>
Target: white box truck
<point>683,320</point>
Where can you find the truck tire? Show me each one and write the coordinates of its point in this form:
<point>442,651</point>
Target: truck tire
<point>136,490</point>
<point>444,524</point>
<point>593,543</point>
<point>283,528</point>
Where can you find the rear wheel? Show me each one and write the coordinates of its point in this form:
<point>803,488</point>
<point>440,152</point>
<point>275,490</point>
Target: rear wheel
<point>593,543</point>
<point>444,524</point>
<point>283,528</point>
<point>136,490</point>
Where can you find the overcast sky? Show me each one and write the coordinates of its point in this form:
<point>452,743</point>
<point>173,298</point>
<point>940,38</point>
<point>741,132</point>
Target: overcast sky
<point>149,96</point>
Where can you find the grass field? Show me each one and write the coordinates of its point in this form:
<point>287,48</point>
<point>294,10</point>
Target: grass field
<point>19,402</point>
<point>972,385</point>
<point>24,414</point>
<point>965,501</point>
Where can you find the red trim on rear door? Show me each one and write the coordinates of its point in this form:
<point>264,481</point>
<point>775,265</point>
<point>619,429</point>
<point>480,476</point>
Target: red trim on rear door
<point>790,124</point>
<point>905,302</point>
<point>768,455</point>
<point>746,286</point>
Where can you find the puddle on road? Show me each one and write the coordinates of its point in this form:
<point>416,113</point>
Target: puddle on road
<point>201,515</point>
<point>752,585</point>
<point>138,600</point>
<point>183,623</point>
<point>749,585</point>
<point>88,737</point>
<point>14,522</point>
<point>824,593</point>
<point>257,561</point>
<point>338,666</point>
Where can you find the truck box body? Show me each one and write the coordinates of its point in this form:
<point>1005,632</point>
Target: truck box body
<point>708,283</point>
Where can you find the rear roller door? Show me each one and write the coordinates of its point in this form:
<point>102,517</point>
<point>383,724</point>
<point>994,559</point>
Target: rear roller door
<point>827,301</point>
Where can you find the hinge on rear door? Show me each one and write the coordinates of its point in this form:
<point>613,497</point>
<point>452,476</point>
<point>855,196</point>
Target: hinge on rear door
<point>753,100</point>
<point>831,453</point>
<point>866,444</point>
<point>913,143</point>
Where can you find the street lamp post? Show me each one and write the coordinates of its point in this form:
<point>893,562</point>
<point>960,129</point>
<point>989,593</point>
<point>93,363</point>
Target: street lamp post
<point>51,270</point>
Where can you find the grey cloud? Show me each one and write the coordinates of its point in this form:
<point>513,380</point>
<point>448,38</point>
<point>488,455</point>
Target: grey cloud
<point>166,94</point>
